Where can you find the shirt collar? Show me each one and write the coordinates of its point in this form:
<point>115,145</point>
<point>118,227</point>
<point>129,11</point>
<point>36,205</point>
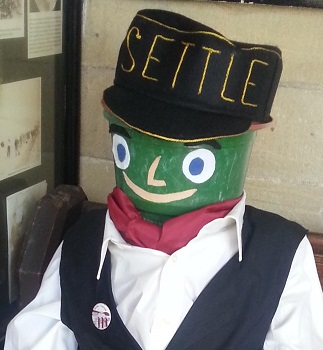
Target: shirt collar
<point>111,234</point>
<point>237,214</point>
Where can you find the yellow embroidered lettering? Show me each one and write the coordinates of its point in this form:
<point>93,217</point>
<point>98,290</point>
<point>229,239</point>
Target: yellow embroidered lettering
<point>248,82</point>
<point>133,64</point>
<point>186,45</point>
<point>226,81</point>
<point>210,52</point>
<point>150,56</point>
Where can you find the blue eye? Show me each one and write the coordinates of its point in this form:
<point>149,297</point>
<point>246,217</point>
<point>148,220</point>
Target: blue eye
<point>199,165</point>
<point>196,166</point>
<point>120,152</point>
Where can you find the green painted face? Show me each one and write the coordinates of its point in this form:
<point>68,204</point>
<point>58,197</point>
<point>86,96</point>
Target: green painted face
<point>165,179</point>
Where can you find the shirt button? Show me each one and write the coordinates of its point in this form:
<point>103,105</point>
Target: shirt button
<point>174,258</point>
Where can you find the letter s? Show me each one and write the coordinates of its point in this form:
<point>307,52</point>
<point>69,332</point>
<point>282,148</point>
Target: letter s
<point>133,63</point>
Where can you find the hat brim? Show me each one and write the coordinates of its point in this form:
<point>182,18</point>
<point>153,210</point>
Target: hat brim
<point>258,126</point>
<point>169,121</point>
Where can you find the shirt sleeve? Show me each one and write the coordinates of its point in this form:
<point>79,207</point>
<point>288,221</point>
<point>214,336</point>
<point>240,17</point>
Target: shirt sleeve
<point>38,325</point>
<point>298,321</point>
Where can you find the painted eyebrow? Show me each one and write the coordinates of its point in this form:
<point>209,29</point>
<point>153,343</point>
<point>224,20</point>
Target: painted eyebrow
<point>117,129</point>
<point>213,143</point>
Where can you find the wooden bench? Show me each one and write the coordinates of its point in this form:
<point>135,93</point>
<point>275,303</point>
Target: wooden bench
<point>55,213</point>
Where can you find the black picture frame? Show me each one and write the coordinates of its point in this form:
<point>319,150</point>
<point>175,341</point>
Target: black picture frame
<point>60,122</point>
<point>68,165</point>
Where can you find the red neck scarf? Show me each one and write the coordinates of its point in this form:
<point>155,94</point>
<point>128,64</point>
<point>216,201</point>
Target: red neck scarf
<point>173,235</point>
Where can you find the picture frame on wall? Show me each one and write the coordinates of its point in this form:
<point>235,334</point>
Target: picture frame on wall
<point>39,118</point>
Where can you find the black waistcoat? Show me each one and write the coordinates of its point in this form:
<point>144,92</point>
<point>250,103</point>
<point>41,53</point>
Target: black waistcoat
<point>233,312</point>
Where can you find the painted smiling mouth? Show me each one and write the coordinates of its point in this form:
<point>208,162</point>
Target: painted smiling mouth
<point>155,197</point>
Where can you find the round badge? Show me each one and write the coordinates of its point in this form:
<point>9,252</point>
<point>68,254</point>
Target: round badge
<point>101,316</point>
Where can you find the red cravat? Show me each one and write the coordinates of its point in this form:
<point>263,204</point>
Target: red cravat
<point>173,235</point>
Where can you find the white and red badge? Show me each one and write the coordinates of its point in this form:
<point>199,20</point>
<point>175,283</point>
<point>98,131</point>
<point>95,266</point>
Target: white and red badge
<point>101,316</point>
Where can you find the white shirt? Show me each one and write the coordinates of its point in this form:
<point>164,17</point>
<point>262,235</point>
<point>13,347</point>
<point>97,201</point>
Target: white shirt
<point>154,291</point>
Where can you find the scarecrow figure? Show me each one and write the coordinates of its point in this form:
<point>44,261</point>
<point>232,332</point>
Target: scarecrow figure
<point>179,261</point>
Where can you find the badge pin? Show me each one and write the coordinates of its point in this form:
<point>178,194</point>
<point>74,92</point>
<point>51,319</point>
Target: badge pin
<point>101,316</point>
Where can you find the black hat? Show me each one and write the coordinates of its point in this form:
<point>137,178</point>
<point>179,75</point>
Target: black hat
<point>179,80</point>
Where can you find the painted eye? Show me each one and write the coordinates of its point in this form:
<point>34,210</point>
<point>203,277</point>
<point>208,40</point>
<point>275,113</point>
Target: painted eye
<point>120,152</point>
<point>199,165</point>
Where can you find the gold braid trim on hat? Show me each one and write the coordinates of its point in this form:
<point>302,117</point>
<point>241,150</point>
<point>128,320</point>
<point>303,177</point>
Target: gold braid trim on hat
<point>217,35</point>
<point>165,138</point>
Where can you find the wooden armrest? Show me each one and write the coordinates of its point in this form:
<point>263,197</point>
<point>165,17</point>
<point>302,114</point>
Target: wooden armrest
<point>54,214</point>
<point>316,240</point>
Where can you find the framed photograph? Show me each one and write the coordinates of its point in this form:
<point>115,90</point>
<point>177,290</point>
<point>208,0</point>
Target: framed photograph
<point>12,14</point>
<point>17,206</point>
<point>20,133</point>
<point>6,308</point>
<point>20,207</point>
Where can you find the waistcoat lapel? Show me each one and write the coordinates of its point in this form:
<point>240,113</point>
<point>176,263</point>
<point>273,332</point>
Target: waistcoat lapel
<point>236,308</point>
<point>206,323</point>
<point>116,334</point>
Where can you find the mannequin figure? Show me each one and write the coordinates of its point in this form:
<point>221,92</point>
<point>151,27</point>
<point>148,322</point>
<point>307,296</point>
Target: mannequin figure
<point>179,261</point>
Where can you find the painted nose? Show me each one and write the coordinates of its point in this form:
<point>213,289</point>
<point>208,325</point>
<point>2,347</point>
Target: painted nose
<point>151,174</point>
